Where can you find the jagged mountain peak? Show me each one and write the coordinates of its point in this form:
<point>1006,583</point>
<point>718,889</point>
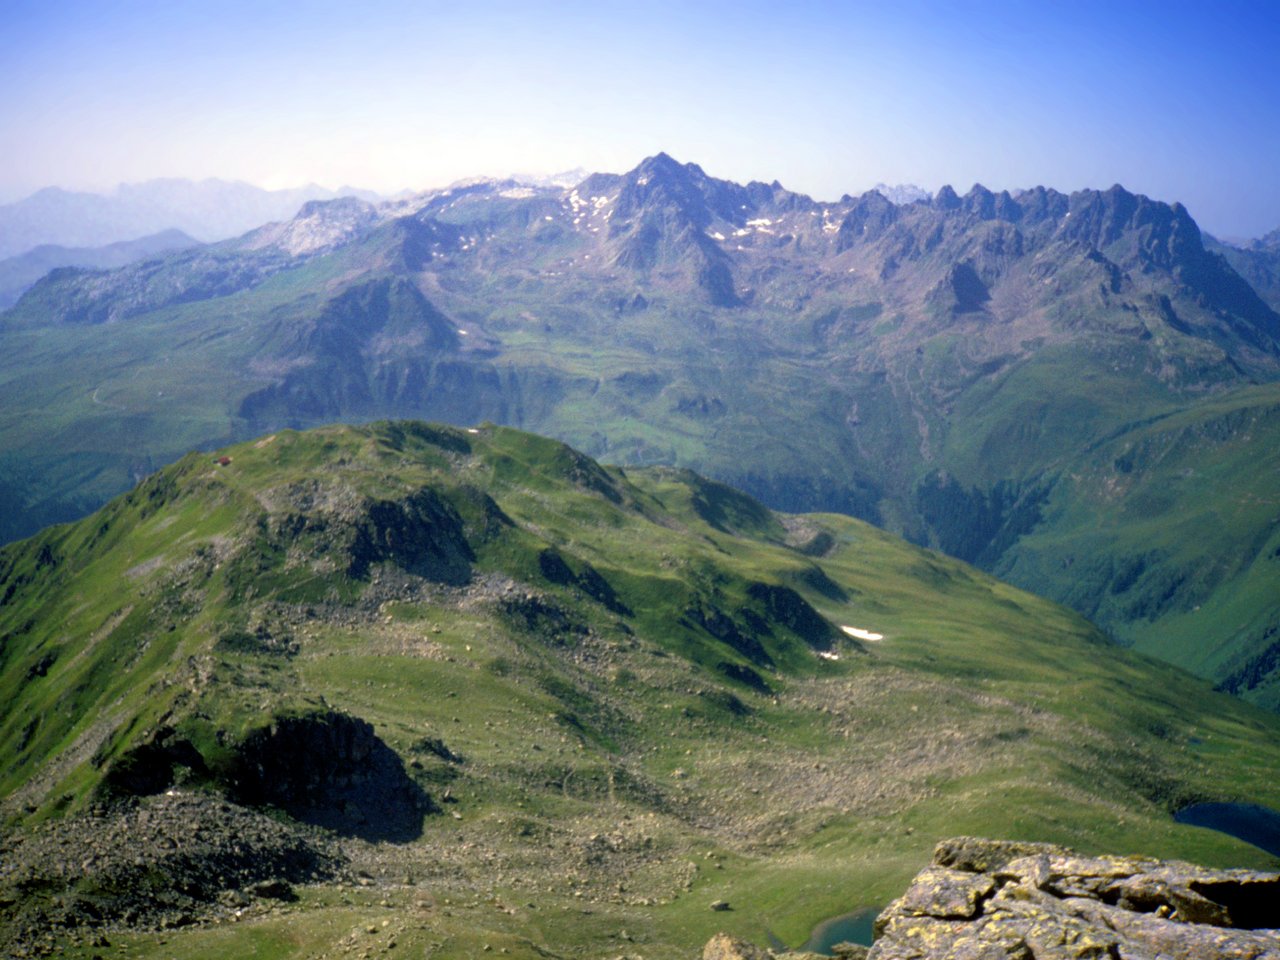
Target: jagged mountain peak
<point>662,164</point>
<point>869,215</point>
<point>659,216</point>
<point>1163,233</point>
<point>987,205</point>
<point>661,182</point>
<point>946,198</point>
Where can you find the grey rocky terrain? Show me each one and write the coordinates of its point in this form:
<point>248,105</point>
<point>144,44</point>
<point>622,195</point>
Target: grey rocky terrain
<point>156,862</point>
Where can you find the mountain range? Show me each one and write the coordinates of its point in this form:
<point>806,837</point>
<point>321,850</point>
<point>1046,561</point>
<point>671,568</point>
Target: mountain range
<point>1078,393</point>
<point>18,273</point>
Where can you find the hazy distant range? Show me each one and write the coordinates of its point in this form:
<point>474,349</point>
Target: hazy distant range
<point>64,228</point>
<point>205,210</point>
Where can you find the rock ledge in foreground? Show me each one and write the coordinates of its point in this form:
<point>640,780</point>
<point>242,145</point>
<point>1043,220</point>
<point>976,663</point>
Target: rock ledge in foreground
<point>998,900</point>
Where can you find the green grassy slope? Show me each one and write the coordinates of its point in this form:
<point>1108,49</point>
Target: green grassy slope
<point>644,672</point>
<point>1167,535</point>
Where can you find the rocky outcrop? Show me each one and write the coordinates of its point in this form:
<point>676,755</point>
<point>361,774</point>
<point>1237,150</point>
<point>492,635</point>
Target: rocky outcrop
<point>990,900</point>
<point>331,770</point>
<point>1001,900</point>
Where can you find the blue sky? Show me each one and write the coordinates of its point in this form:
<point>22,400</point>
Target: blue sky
<point>1180,101</point>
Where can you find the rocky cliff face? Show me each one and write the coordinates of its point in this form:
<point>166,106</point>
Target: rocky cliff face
<point>996,900</point>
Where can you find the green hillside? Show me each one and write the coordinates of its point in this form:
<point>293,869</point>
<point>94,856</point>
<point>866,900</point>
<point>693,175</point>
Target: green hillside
<point>490,692</point>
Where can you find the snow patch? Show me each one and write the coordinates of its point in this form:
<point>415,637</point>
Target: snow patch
<point>862,634</point>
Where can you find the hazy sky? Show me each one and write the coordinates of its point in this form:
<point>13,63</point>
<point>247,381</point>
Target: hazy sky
<point>1180,101</point>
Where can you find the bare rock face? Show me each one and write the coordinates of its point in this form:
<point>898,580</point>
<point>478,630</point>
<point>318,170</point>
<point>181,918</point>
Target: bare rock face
<point>332,770</point>
<point>991,900</point>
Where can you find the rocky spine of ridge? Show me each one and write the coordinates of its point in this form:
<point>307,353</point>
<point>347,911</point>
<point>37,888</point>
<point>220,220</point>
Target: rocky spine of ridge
<point>1004,900</point>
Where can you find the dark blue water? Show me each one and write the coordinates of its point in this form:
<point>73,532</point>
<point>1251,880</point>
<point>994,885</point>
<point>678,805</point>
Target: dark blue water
<point>852,927</point>
<point>1249,822</point>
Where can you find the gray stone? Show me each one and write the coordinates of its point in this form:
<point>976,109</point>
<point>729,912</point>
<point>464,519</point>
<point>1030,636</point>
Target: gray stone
<point>999,900</point>
<point>724,947</point>
<point>993,900</point>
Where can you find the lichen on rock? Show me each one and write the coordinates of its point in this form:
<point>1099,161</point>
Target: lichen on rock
<point>991,900</point>
<point>1003,900</point>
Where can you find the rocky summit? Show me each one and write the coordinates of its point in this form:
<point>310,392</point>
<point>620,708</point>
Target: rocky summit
<point>1002,900</point>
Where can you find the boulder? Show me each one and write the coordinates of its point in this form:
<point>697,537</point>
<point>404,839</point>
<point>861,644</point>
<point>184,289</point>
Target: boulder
<point>724,947</point>
<point>993,900</point>
<point>1002,900</point>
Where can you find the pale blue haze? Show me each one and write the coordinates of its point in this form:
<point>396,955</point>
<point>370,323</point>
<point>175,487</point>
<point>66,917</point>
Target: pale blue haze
<point>1175,100</point>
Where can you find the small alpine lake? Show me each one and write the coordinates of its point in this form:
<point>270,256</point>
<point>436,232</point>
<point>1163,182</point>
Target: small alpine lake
<point>853,927</point>
<point>1250,822</point>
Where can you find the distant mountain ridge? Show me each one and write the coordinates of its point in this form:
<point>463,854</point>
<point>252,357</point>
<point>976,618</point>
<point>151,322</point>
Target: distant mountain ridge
<point>17,274</point>
<point>1075,391</point>
<point>1257,261</point>
<point>208,210</point>
<point>902,193</point>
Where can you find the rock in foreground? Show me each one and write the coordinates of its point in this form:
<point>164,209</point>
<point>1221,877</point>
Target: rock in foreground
<point>991,900</point>
<point>997,900</point>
